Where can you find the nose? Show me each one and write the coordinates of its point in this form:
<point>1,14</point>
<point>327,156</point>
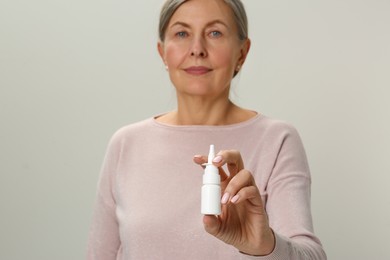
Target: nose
<point>198,48</point>
<point>198,54</point>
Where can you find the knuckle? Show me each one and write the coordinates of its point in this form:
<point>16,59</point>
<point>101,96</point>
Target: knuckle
<point>222,152</point>
<point>249,192</point>
<point>235,152</point>
<point>243,179</point>
<point>247,175</point>
<point>233,185</point>
<point>231,152</point>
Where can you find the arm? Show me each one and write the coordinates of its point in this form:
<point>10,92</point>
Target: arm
<point>104,242</point>
<point>246,220</point>
<point>288,202</point>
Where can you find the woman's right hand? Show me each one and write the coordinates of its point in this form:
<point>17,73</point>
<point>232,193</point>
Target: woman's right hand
<point>243,222</point>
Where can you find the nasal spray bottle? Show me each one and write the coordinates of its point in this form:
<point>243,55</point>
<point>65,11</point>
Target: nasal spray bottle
<point>211,189</point>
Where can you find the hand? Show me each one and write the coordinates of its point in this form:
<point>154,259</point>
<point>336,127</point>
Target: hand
<point>243,222</point>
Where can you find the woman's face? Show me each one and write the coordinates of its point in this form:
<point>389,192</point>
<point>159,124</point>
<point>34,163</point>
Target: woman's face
<point>202,49</point>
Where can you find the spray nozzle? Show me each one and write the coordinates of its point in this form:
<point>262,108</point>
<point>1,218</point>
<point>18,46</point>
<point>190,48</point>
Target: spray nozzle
<point>211,173</point>
<point>211,154</point>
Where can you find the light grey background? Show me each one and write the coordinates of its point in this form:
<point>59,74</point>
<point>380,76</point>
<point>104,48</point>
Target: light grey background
<point>74,71</point>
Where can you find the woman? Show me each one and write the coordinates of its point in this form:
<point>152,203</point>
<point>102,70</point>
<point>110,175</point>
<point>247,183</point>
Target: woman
<point>148,204</point>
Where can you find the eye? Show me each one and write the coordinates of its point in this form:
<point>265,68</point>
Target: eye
<point>181,34</point>
<point>215,34</point>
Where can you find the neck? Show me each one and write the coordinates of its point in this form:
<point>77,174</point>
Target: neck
<point>201,111</point>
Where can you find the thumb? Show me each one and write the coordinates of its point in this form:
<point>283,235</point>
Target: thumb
<point>211,224</point>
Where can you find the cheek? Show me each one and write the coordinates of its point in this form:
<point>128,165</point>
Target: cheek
<point>225,56</point>
<point>174,54</point>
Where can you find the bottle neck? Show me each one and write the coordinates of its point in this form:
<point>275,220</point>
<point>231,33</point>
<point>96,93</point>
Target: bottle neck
<point>211,175</point>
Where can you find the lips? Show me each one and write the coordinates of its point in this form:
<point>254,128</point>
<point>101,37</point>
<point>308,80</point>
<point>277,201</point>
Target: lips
<point>197,70</point>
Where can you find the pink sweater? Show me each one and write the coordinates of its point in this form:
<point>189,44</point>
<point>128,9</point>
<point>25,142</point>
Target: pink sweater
<point>148,198</point>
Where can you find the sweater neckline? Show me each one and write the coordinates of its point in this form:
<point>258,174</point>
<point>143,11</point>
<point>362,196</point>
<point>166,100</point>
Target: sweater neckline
<point>245,123</point>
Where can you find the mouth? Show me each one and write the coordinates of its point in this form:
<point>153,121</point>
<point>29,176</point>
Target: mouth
<point>197,70</point>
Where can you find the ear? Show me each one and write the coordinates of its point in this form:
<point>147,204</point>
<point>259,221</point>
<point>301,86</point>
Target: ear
<point>160,48</point>
<point>245,47</point>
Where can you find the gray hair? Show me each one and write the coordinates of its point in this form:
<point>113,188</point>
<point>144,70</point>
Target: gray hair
<point>237,7</point>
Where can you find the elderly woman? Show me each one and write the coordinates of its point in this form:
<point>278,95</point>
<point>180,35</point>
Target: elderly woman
<point>148,201</point>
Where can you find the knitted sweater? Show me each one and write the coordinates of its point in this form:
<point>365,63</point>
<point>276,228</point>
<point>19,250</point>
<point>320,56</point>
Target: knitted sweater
<point>148,197</point>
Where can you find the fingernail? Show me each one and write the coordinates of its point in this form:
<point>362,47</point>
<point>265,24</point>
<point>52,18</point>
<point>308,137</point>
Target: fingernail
<point>197,156</point>
<point>225,198</point>
<point>235,198</point>
<point>217,159</point>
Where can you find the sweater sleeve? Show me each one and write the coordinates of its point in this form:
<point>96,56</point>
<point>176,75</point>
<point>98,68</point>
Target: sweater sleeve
<point>103,241</point>
<point>288,202</point>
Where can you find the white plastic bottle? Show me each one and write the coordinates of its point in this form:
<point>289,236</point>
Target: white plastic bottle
<point>211,189</point>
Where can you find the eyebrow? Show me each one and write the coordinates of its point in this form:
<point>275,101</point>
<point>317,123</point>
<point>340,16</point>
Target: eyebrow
<point>217,21</point>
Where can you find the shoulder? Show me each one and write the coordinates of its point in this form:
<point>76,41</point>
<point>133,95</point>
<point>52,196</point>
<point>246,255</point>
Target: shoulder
<point>279,134</point>
<point>275,127</point>
<point>133,128</point>
<point>131,131</point>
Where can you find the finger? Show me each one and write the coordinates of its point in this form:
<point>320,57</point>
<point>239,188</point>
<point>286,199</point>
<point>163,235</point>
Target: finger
<point>201,160</point>
<point>249,193</point>
<point>233,160</point>
<point>243,179</point>
<point>223,174</point>
<point>211,224</point>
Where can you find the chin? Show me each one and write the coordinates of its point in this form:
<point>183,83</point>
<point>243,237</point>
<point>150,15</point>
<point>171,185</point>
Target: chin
<point>196,89</point>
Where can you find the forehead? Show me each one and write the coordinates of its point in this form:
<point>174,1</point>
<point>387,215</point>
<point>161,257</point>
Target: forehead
<point>203,11</point>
